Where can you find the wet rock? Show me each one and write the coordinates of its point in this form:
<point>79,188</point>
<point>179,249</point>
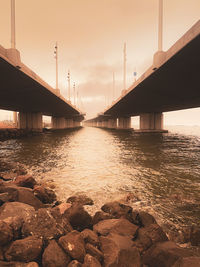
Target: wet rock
<point>78,218</point>
<point>22,194</point>
<point>47,196</point>
<point>54,256</point>
<point>61,208</point>
<point>74,263</point>
<point>118,251</point>
<point>146,219</point>
<point>18,264</point>
<point>95,252</point>
<point>25,181</point>
<point>188,262</point>
<point>164,254</point>
<point>91,261</point>
<point>91,237</point>
<point>195,236</point>
<point>117,209</point>
<point>61,219</point>
<point>143,242</point>
<point>81,200</point>
<point>119,226</point>
<point>74,245</point>
<point>15,224</point>
<point>6,233</point>
<point>100,216</point>
<point>154,232</point>
<point>43,225</point>
<point>16,209</point>
<point>25,250</point>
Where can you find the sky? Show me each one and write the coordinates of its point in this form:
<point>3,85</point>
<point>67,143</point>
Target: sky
<point>90,36</point>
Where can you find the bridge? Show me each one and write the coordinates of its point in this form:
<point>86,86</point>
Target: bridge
<point>24,91</point>
<point>171,83</point>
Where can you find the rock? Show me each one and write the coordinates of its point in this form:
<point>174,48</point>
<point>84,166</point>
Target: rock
<point>74,263</point>
<point>1,255</point>
<point>119,226</point>
<point>16,209</point>
<point>15,224</point>
<point>154,232</point>
<point>100,216</point>
<point>63,207</point>
<point>143,241</point>
<point>117,209</point>
<point>54,256</point>
<point>4,197</point>
<point>91,261</point>
<point>45,195</point>
<point>95,252</point>
<point>188,262</point>
<point>43,225</point>
<point>74,245</point>
<point>6,233</point>
<point>146,219</point>
<point>118,251</point>
<point>91,237</point>
<point>22,194</point>
<point>25,250</point>
<point>25,181</point>
<point>164,254</point>
<point>61,219</point>
<point>18,264</point>
<point>195,236</point>
<point>78,217</point>
<point>81,200</point>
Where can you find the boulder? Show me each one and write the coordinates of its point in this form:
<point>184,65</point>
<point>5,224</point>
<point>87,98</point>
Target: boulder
<point>6,233</point>
<point>146,219</point>
<point>25,181</point>
<point>91,261</point>
<point>61,208</point>
<point>61,219</point>
<point>118,226</point>
<point>74,245</point>
<point>117,209</point>
<point>100,216</point>
<point>43,225</point>
<point>119,252</point>
<point>154,232</point>
<point>95,252</point>
<point>1,255</point>
<point>25,250</point>
<point>91,237</point>
<point>195,236</point>
<point>15,224</point>
<point>74,263</point>
<point>143,241</point>
<point>164,254</point>
<point>78,217</point>
<point>47,196</point>
<point>81,200</point>
<point>18,264</point>
<point>187,262</point>
<point>22,194</point>
<point>16,209</point>
<point>54,256</point>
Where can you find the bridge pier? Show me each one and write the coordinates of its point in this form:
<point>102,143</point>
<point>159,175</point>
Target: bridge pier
<point>124,123</point>
<point>30,121</point>
<point>151,122</point>
<point>63,123</point>
<point>112,123</point>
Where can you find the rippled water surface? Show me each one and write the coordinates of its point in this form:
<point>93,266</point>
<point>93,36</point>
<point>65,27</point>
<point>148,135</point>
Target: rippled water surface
<point>159,173</point>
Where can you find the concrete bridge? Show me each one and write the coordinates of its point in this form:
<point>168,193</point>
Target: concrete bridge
<point>171,83</point>
<point>24,91</point>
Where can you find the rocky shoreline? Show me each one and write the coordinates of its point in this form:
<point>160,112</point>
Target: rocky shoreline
<point>38,230</point>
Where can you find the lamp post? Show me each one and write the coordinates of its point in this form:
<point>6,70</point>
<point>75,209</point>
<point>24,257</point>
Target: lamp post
<point>74,87</point>
<point>56,57</point>
<point>68,79</point>
<point>13,42</point>
<point>125,59</point>
<point>160,26</point>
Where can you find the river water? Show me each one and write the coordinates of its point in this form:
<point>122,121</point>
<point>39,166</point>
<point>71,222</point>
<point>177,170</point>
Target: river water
<point>159,173</point>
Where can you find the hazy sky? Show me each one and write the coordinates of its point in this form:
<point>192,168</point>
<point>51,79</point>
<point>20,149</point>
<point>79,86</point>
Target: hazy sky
<point>90,36</point>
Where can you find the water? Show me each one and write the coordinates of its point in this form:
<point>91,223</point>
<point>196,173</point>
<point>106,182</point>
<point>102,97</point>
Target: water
<point>155,172</point>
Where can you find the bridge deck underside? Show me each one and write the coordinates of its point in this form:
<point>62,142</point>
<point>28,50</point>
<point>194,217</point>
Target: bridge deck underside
<point>19,92</point>
<point>174,86</point>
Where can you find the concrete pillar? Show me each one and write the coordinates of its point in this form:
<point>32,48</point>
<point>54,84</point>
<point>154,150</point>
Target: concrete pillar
<point>124,123</point>
<point>112,123</point>
<point>30,121</point>
<point>105,124</point>
<point>151,121</point>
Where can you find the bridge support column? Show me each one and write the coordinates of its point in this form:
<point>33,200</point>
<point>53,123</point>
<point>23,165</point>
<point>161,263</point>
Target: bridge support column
<point>30,121</point>
<point>124,123</point>
<point>151,122</point>
<point>105,124</point>
<point>112,123</point>
<point>58,123</point>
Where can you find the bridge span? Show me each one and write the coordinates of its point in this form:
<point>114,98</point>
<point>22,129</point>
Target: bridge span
<point>24,91</point>
<point>171,83</point>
